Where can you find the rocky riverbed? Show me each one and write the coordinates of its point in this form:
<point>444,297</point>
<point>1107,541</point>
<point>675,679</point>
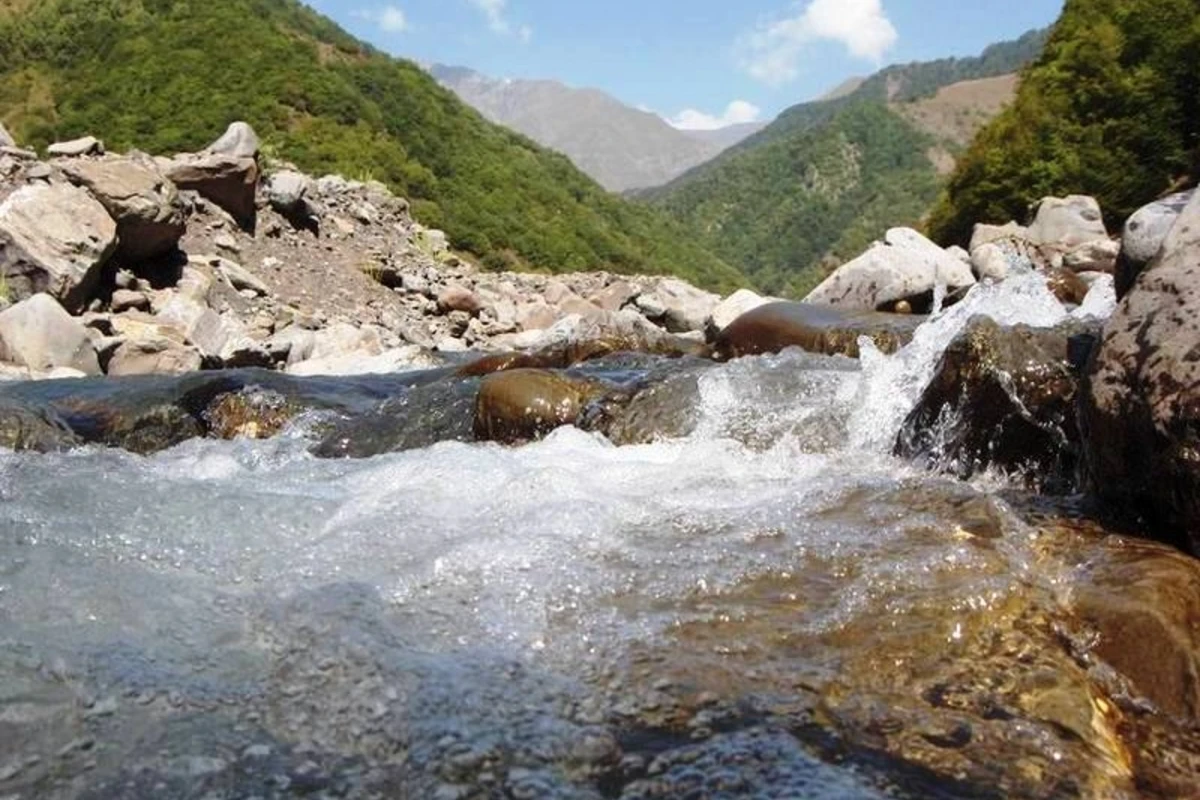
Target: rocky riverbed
<point>641,543</point>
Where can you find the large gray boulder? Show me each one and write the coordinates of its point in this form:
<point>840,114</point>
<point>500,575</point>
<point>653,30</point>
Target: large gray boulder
<point>157,356</point>
<point>229,182</point>
<point>238,141</point>
<point>732,307</point>
<point>143,203</point>
<point>1067,222</point>
<point>39,334</point>
<point>287,191</point>
<point>1141,412</point>
<point>683,307</point>
<point>86,146</point>
<point>55,239</point>
<point>1144,235</point>
<point>905,266</point>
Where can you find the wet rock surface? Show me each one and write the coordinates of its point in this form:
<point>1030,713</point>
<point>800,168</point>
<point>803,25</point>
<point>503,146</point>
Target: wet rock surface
<point>1001,398</point>
<point>815,328</point>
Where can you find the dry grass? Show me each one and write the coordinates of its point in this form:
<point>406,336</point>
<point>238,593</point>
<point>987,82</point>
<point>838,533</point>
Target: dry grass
<point>957,112</point>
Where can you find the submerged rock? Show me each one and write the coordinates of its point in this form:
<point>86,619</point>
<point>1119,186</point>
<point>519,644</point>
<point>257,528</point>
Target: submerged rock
<point>22,428</point>
<point>1137,608</point>
<point>524,404</point>
<point>1141,411</point>
<point>815,328</point>
<point>432,411</point>
<point>146,414</point>
<point>1000,397</point>
<point>1066,285</point>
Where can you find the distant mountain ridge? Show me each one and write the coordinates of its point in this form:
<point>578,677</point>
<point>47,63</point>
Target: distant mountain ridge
<point>816,186</point>
<point>621,147</point>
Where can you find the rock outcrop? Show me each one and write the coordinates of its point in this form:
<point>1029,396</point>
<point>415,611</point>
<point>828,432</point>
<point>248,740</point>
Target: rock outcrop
<point>143,203</point>
<point>1067,233</point>
<point>227,181</point>
<point>904,268</point>
<point>54,239</point>
<point>1141,410</point>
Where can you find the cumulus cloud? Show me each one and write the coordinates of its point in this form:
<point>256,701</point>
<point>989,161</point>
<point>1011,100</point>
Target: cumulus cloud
<point>390,19</point>
<point>496,14</point>
<point>737,112</point>
<point>772,51</point>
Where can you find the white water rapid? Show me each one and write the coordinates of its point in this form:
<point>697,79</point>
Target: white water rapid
<point>237,619</point>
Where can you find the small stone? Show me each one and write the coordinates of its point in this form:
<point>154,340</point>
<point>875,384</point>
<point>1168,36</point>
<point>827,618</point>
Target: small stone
<point>227,242</point>
<point>128,300</point>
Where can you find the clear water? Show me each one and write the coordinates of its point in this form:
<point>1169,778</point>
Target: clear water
<point>242,619</point>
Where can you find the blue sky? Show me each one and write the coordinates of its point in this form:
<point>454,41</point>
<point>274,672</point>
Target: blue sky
<point>697,62</point>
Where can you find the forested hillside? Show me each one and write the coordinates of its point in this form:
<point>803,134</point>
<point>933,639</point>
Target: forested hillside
<point>818,184</point>
<point>1112,109</point>
<point>169,75</point>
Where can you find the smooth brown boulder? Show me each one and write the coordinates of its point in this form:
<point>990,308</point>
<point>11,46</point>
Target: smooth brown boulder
<point>1141,412</point>
<point>524,404</point>
<point>1138,604</point>
<point>1000,397</point>
<point>773,327</point>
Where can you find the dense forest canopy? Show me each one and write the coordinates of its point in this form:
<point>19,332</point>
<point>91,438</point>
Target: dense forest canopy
<point>1111,109</point>
<point>169,75</point>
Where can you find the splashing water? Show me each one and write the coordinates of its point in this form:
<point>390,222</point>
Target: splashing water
<point>463,620</point>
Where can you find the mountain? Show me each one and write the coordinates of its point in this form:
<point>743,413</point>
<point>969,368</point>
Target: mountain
<point>1112,109</point>
<point>623,148</point>
<point>169,75</point>
<point>823,180</point>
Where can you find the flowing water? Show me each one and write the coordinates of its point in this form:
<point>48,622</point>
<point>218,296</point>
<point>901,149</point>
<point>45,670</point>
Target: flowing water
<point>770,606</point>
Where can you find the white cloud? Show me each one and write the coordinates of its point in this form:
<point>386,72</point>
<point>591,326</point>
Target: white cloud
<point>390,19</point>
<point>496,13</point>
<point>772,51</point>
<point>737,112</point>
